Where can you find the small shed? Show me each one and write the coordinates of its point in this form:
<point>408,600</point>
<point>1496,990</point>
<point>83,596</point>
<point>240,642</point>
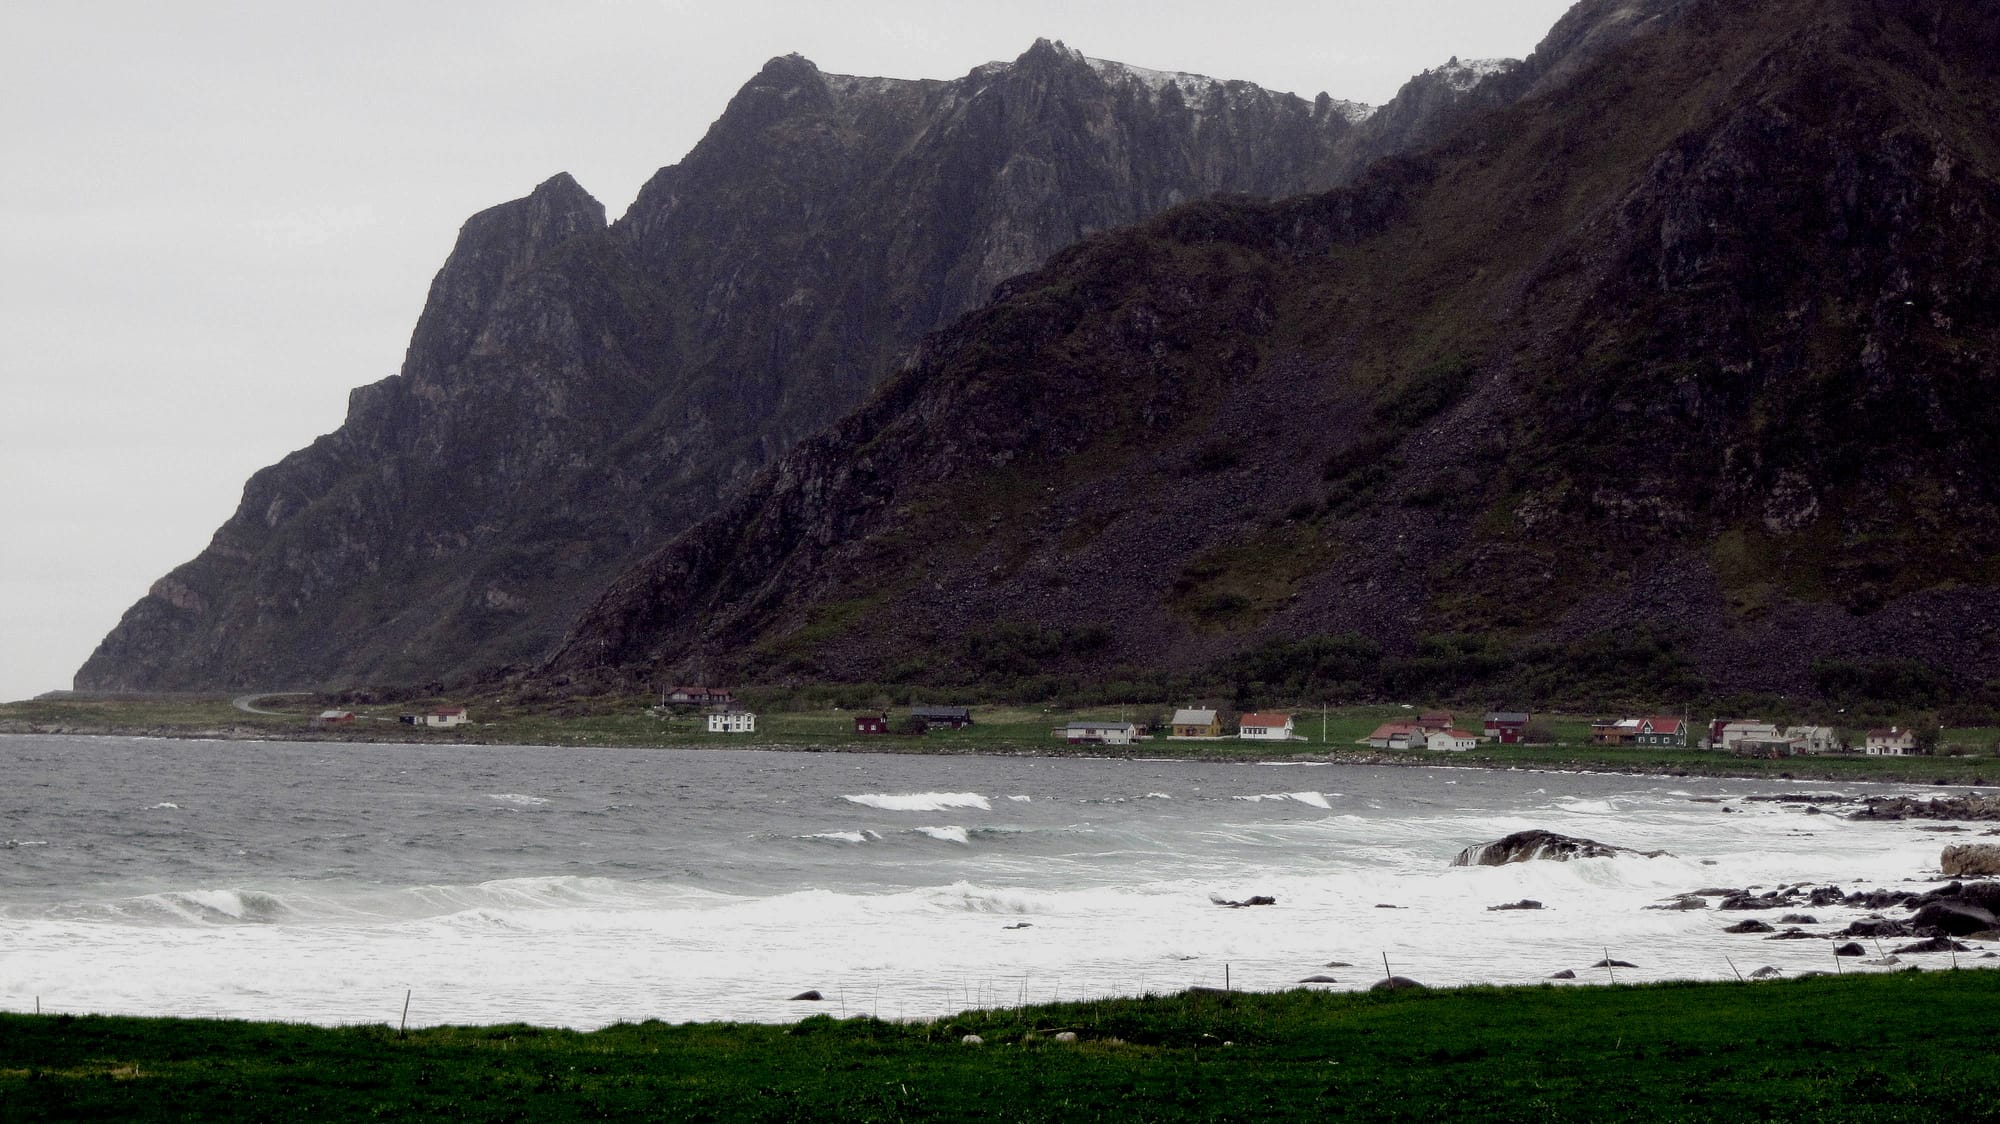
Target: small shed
<point>334,718</point>
<point>445,717</point>
<point>871,723</point>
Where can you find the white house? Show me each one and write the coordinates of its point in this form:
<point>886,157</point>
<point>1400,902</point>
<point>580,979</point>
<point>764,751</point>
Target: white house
<point>445,717</point>
<point>1265,727</point>
<point>1098,733</point>
<point>1813,739</point>
<point>1892,742</point>
<point>1746,731</point>
<point>1450,741</point>
<point>732,722</point>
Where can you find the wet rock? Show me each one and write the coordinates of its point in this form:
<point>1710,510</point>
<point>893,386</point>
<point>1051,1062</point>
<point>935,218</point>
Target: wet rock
<point>1524,903</point>
<point>1319,979</point>
<point>1793,934</point>
<point>1935,944</point>
<point>1750,926</point>
<point>1766,973</point>
<point>1386,905</point>
<point>1337,964</point>
<point>1954,918</point>
<point>1020,925</point>
<point>1798,919</point>
<point>1613,964</point>
<point>806,997</point>
<point>1685,901</point>
<point>1849,949</point>
<point>1876,927</point>
<point>1255,899</point>
<point>1396,983</point>
<point>1565,974</point>
<point>1523,846</point>
<point>1756,901</point>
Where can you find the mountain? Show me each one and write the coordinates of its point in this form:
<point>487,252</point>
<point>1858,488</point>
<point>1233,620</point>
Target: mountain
<point>1675,372</point>
<point>576,392</point>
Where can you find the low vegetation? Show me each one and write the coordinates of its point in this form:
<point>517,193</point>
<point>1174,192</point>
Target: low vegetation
<point>1908,1046</point>
<point>823,719</point>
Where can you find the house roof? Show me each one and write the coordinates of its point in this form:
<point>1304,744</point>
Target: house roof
<point>941,711</point>
<point>336,714</point>
<point>1458,734</point>
<point>1263,719</point>
<point>1193,717</point>
<point>1391,729</point>
<point>1100,726</point>
<point>1662,725</point>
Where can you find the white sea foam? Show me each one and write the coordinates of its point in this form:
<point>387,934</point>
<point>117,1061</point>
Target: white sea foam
<point>844,836</point>
<point>1021,799</point>
<point>945,834</point>
<point>921,801</point>
<point>1314,799</point>
<point>165,804</point>
<point>1588,807</point>
<point>517,799</point>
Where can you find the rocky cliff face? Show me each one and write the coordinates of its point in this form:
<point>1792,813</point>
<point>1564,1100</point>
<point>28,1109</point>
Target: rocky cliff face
<point>1679,361</point>
<point>576,393</point>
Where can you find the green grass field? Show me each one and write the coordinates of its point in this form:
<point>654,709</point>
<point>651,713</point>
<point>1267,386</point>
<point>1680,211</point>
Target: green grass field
<point>1908,1046</point>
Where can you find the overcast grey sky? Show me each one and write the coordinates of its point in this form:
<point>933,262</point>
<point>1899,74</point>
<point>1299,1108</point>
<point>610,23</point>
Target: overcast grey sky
<point>218,217</point>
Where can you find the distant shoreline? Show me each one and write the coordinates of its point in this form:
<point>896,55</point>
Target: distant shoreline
<point>1700,764</point>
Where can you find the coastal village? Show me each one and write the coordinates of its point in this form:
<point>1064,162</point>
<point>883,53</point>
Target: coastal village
<point>1436,731</point>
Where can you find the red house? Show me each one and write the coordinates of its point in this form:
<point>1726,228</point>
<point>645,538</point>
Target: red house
<point>1508,727</point>
<point>871,723</point>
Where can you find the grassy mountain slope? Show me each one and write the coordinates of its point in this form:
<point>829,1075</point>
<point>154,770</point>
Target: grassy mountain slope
<point>1681,361</point>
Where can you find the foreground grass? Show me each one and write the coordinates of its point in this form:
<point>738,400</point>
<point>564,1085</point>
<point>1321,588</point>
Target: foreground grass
<point>1910,1046</point>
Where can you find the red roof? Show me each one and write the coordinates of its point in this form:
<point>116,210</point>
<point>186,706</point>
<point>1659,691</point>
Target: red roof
<point>1665,725</point>
<point>1391,729</point>
<point>1459,734</point>
<point>1265,720</point>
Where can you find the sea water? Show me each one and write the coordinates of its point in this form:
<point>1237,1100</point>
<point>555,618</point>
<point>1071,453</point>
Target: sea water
<point>328,882</point>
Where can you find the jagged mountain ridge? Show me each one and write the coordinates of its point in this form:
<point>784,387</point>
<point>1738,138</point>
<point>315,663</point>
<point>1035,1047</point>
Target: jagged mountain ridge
<point>575,392</point>
<point>1688,341</point>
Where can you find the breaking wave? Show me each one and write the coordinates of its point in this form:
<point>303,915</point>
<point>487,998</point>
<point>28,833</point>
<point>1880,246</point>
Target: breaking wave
<point>921,801</point>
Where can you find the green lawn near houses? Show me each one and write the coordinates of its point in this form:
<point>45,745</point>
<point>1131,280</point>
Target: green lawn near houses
<point>796,719</point>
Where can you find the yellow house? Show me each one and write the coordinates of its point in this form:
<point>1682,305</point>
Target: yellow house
<point>1189,723</point>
